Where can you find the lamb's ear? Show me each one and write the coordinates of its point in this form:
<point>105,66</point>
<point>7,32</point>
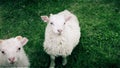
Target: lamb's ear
<point>45,18</point>
<point>67,18</point>
<point>51,14</point>
<point>24,41</point>
<point>19,38</point>
<point>1,41</point>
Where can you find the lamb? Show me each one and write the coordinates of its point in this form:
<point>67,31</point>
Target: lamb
<point>12,53</point>
<point>61,36</point>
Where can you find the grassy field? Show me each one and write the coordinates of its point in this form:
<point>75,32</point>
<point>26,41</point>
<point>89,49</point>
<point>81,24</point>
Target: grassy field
<point>99,45</point>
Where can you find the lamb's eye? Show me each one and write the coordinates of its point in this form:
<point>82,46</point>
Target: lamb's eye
<point>19,48</point>
<point>64,23</point>
<point>2,52</point>
<point>51,23</point>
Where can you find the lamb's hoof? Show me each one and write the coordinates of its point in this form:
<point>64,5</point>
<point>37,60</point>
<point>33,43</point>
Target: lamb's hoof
<point>51,67</point>
<point>64,63</point>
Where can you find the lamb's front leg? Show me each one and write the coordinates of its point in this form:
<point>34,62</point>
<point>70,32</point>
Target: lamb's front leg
<point>52,63</point>
<point>64,62</point>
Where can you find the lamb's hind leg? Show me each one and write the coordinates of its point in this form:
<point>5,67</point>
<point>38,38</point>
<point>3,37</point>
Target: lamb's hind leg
<point>64,62</point>
<point>52,63</point>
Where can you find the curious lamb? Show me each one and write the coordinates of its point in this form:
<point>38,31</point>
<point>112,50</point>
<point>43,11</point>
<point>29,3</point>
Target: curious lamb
<point>12,53</point>
<point>61,36</point>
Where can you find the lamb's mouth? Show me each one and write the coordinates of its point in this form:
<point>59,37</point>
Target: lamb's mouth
<point>59,33</point>
<point>12,62</point>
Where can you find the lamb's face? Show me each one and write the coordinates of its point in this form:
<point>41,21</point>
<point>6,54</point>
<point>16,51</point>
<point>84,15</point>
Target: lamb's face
<point>57,23</point>
<point>11,49</point>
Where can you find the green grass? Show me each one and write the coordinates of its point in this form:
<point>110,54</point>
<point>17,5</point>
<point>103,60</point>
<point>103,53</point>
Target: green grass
<point>99,45</point>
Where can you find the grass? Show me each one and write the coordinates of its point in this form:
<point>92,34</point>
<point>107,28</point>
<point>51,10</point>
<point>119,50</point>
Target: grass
<point>99,45</point>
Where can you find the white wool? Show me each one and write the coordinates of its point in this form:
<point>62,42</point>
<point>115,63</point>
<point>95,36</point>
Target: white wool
<point>10,47</point>
<point>62,45</point>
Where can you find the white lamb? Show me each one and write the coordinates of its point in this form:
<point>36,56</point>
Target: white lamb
<point>61,36</point>
<point>12,53</point>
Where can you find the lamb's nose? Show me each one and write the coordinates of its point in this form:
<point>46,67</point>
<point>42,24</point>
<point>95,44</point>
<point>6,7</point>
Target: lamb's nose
<point>11,59</point>
<point>59,30</point>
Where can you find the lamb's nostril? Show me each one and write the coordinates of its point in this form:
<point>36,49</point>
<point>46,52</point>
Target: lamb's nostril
<point>59,30</point>
<point>11,59</point>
